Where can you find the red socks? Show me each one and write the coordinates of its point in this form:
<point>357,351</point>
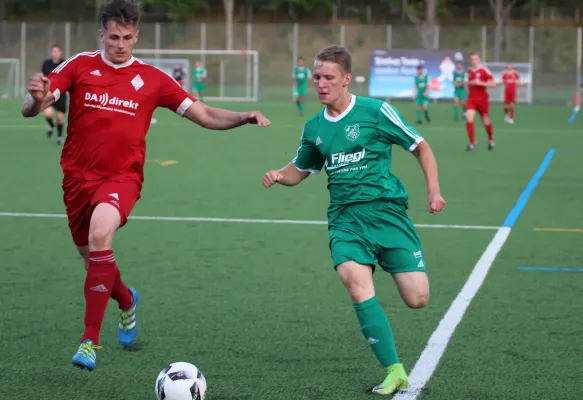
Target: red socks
<point>511,112</point>
<point>103,280</point>
<point>471,132</point>
<point>121,293</point>
<point>490,130</point>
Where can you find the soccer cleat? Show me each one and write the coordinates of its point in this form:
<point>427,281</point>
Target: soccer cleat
<point>49,132</point>
<point>86,355</point>
<point>59,141</point>
<point>470,147</point>
<point>491,145</point>
<point>396,380</point>
<point>127,330</point>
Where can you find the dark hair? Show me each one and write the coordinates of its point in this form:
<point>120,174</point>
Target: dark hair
<point>56,46</point>
<point>338,55</point>
<point>122,12</point>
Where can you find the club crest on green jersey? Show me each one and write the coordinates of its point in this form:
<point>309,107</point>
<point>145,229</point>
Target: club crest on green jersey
<point>352,132</point>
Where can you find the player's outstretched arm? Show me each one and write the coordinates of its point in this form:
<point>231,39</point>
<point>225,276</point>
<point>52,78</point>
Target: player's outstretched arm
<point>287,176</point>
<point>220,119</point>
<point>38,97</point>
<point>426,159</point>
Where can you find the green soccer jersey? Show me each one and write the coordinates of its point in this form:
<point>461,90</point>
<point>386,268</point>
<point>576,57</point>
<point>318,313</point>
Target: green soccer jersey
<point>355,149</point>
<point>199,74</point>
<point>421,85</point>
<point>302,75</point>
<point>459,77</point>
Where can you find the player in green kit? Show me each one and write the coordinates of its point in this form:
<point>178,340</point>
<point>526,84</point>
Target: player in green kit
<point>301,76</point>
<point>199,75</point>
<point>421,94</point>
<point>352,138</point>
<point>460,94</point>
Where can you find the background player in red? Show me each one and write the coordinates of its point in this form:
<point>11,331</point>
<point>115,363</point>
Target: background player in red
<point>510,79</point>
<point>113,96</point>
<point>479,79</point>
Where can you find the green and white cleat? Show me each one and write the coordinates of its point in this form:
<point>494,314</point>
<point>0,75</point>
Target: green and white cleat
<point>396,380</point>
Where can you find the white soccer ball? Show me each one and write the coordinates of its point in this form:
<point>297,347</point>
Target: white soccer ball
<point>180,381</point>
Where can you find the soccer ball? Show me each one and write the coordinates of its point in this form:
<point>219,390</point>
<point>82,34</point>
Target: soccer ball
<point>180,381</point>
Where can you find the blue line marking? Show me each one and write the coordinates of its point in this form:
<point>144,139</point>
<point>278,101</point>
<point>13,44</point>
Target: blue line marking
<point>527,192</point>
<point>551,269</point>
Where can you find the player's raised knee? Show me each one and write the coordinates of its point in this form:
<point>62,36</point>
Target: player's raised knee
<point>105,221</point>
<point>417,300</point>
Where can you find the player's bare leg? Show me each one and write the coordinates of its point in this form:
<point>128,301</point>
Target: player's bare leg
<point>60,124</point>
<point>48,114</point>
<point>489,130</point>
<point>471,129</point>
<point>413,288</point>
<point>357,279</point>
<point>103,281</point>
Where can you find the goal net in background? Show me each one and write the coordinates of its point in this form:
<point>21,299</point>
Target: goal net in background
<point>9,78</point>
<point>523,93</point>
<point>231,75</point>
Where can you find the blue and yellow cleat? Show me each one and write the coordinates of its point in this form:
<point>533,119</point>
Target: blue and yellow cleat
<point>86,355</point>
<point>396,380</point>
<point>127,330</point>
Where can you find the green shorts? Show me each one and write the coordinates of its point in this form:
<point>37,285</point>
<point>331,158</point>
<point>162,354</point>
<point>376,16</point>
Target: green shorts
<point>198,87</point>
<point>422,101</point>
<point>377,232</point>
<point>460,94</point>
<point>300,92</point>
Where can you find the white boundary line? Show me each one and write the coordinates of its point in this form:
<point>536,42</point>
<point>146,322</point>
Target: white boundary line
<point>241,220</point>
<point>431,355</point>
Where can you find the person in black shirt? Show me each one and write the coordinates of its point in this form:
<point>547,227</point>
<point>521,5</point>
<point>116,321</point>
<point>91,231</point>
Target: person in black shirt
<point>60,106</point>
<point>178,74</point>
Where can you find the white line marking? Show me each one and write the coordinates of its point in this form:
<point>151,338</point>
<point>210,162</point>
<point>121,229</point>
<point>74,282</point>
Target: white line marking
<point>241,220</point>
<point>427,362</point>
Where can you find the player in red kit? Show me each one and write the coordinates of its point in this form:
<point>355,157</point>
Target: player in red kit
<point>510,79</point>
<point>479,79</point>
<point>112,98</point>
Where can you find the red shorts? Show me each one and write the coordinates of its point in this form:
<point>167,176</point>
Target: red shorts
<point>509,96</point>
<point>480,104</point>
<point>81,198</point>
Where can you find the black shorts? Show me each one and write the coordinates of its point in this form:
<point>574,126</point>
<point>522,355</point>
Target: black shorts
<point>61,104</point>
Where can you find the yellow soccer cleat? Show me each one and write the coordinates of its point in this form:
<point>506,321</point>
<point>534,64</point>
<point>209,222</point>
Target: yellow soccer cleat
<point>396,380</point>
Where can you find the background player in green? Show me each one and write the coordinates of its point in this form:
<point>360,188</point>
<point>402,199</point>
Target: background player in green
<point>199,75</point>
<point>301,76</point>
<point>460,93</point>
<point>421,94</point>
<point>352,138</point>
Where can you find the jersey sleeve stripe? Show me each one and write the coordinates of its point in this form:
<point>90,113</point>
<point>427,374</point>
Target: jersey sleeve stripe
<point>311,171</point>
<point>64,64</point>
<point>184,106</point>
<point>394,118</point>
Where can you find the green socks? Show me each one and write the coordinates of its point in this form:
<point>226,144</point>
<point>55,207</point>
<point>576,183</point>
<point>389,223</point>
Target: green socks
<point>456,112</point>
<point>419,115</point>
<point>301,106</point>
<point>377,331</point>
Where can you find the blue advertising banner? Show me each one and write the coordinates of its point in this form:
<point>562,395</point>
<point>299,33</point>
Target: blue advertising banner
<point>392,72</point>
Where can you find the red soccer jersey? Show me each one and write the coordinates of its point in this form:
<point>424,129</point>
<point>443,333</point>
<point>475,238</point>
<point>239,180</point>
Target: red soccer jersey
<point>510,79</point>
<point>481,74</point>
<point>110,112</point>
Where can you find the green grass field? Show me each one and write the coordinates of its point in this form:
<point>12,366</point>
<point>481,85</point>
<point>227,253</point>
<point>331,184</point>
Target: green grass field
<point>257,306</point>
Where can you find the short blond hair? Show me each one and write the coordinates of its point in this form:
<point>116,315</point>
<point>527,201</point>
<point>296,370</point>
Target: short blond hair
<point>337,55</point>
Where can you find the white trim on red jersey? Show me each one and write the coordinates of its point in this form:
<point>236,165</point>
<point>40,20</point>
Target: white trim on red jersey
<point>117,66</point>
<point>85,53</point>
